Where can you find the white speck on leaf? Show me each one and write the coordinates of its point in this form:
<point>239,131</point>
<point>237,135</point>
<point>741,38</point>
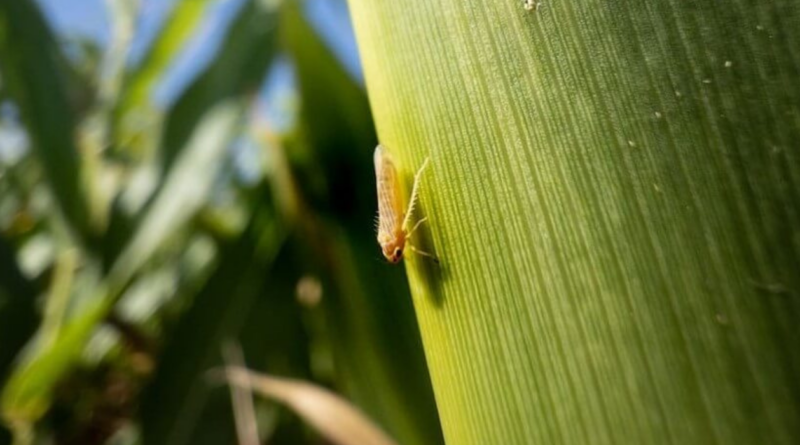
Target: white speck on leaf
<point>531,5</point>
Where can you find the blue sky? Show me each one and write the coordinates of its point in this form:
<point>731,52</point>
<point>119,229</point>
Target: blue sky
<point>83,17</point>
<point>89,18</point>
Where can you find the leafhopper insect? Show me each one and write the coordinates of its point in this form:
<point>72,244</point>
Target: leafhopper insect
<point>393,222</point>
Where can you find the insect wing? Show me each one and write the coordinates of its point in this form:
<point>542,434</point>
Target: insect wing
<point>390,211</point>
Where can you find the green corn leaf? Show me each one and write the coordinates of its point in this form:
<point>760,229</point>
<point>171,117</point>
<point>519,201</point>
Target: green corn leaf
<point>613,193</point>
<point>234,75</point>
<point>237,71</point>
<point>17,312</point>
<point>185,188</point>
<point>135,105</point>
<point>33,73</point>
<point>184,191</point>
<point>28,392</point>
<point>174,402</point>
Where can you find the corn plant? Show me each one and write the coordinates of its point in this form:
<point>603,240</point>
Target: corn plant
<point>133,247</point>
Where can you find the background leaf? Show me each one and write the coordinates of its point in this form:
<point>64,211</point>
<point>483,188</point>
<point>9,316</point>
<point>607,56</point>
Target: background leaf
<point>173,403</point>
<point>183,193</point>
<point>235,74</point>
<point>33,75</point>
<point>237,71</point>
<point>335,418</point>
<point>136,102</point>
<point>17,311</point>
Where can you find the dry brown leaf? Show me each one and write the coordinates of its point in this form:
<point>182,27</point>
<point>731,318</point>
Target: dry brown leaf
<point>331,415</point>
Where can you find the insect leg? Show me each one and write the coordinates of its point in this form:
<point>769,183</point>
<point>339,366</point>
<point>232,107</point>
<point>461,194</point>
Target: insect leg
<point>420,252</point>
<point>414,194</point>
<point>416,226</point>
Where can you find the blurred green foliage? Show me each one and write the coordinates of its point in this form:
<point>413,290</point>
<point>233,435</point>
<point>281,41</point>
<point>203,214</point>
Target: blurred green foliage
<point>132,246</point>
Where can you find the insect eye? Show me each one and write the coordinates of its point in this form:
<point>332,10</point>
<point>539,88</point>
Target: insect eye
<point>398,252</point>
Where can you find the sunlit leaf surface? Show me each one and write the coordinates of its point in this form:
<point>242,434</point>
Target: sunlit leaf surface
<point>613,195</point>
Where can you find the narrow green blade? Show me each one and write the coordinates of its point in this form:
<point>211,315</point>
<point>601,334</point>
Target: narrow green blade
<point>135,109</point>
<point>33,74</point>
<point>18,316</point>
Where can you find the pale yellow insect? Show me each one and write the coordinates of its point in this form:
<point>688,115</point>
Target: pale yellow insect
<point>393,222</point>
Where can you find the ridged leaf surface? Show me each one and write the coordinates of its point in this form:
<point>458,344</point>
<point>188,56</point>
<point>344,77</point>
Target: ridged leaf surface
<point>614,195</point>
